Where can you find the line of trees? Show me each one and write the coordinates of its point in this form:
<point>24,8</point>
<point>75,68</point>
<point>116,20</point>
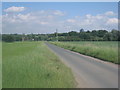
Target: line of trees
<point>95,35</point>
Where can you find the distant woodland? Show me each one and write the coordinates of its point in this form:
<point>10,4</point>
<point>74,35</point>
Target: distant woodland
<point>94,35</point>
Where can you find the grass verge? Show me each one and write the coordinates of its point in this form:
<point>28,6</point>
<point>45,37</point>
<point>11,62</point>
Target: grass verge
<point>0,65</point>
<point>105,50</point>
<point>32,65</point>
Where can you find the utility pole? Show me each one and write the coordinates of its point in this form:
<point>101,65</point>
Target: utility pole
<point>57,35</point>
<point>23,37</point>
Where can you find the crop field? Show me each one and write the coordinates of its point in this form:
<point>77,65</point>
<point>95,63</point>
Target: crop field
<point>33,65</point>
<point>104,50</point>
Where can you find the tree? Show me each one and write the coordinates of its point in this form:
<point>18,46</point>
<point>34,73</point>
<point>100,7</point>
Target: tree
<point>108,37</point>
<point>8,38</point>
<point>95,35</point>
<point>81,30</point>
<point>73,33</point>
<point>101,33</point>
<point>115,35</point>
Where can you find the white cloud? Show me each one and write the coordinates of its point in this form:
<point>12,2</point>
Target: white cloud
<point>88,16</point>
<point>110,13</point>
<point>99,17</point>
<point>26,17</point>
<point>46,21</point>
<point>71,20</point>
<point>34,22</point>
<point>19,18</point>
<point>57,12</point>
<point>112,21</point>
<point>43,23</point>
<point>94,22</point>
<point>14,9</point>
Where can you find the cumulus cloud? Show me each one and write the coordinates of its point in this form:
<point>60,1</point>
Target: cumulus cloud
<point>95,22</point>
<point>112,21</point>
<point>43,23</point>
<point>110,13</point>
<point>14,9</point>
<point>19,18</point>
<point>58,12</point>
<point>46,21</point>
<point>71,20</point>
<point>34,22</point>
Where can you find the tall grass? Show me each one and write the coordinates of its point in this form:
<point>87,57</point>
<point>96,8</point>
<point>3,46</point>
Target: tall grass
<point>105,50</point>
<point>0,65</point>
<point>32,65</point>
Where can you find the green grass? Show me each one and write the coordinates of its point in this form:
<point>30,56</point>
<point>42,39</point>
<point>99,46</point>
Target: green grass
<point>33,65</point>
<point>0,65</point>
<point>104,50</point>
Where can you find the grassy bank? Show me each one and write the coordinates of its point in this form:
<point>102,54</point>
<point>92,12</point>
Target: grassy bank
<point>107,51</point>
<point>32,65</point>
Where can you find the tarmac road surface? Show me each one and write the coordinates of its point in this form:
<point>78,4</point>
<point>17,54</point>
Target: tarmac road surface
<point>89,72</point>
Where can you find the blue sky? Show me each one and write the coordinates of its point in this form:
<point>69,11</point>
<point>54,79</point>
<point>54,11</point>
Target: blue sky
<point>76,8</point>
<point>73,12</point>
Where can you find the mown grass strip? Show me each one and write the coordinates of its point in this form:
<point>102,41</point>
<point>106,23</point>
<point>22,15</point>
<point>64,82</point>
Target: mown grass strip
<point>32,65</point>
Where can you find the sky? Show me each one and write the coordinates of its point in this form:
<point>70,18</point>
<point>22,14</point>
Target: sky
<point>46,17</point>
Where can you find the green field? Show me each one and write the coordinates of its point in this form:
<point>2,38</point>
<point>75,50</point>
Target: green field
<point>0,65</point>
<point>33,65</point>
<point>104,50</point>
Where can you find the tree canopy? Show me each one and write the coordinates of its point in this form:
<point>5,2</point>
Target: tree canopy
<point>94,35</point>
